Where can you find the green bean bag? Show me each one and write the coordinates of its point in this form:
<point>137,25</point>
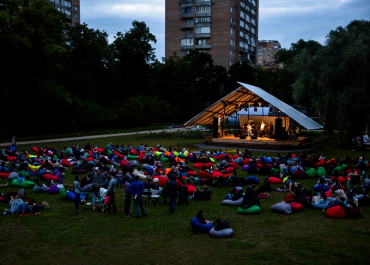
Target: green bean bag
<point>24,173</point>
<point>338,168</point>
<point>254,209</point>
<point>132,157</point>
<point>274,170</point>
<point>158,153</point>
<point>55,157</point>
<point>344,166</point>
<point>175,153</point>
<point>321,172</point>
<point>27,184</point>
<point>110,152</point>
<point>311,173</point>
<point>212,160</point>
<point>163,159</point>
<point>63,193</point>
<point>15,183</point>
<point>182,156</point>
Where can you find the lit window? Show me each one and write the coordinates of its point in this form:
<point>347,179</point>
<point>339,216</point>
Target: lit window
<point>231,9</point>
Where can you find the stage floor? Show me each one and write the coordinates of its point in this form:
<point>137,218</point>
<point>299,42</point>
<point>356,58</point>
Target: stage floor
<point>262,143</point>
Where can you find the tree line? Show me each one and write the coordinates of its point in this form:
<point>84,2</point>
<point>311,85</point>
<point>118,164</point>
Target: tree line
<point>57,78</point>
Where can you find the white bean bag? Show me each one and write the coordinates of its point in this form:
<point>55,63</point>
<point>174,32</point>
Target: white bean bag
<point>282,207</point>
<point>116,164</point>
<point>134,163</point>
<point>141,176</point>
<point>238,202</point>
<point>222,233</point>
<point>12,175</point>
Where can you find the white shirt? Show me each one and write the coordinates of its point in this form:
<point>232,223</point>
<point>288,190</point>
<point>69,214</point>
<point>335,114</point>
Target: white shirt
<point>366,138</point>
<point>262,126</point>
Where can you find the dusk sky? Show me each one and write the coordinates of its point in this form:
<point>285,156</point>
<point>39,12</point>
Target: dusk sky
<point>284,20</point>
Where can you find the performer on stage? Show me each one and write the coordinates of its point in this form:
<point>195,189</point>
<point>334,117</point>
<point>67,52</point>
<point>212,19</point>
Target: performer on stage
<point>249,129</point>
<point>262,130</point>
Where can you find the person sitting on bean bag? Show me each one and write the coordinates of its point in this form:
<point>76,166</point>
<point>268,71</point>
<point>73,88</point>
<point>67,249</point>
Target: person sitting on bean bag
<point>249,199</point>
<point>40,187</point>
<point>220,225</point>
<point>287,185</point>
<point>201,219</point>
<point>341,202</point>
<point>321,199</point>
<point>55,164</point>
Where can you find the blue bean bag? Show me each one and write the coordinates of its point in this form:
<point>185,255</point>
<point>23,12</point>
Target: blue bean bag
<point>150,170</point>
<point>200,228</point>
<point>41,172</point>
<point>252,180</point>
<point>321,188</point>
<point>239,161</point>
<point>320,206</point>
<point>71,196</point>
<point>282,207</point>
<point>32,173</point>
<point>12,175</point>
<point>221,233</point>
<point>266,159</point>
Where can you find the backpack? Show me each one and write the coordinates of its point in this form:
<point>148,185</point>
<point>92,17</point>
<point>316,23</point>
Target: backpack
<point>45,205</point>
<point>23,193</point>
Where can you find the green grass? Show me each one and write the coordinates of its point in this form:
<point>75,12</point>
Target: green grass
<point>63,236</point>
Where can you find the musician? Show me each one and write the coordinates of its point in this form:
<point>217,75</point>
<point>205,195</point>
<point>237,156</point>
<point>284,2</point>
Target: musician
<point>262,130</point>
<point>249,129</point>
<point>297,131</point>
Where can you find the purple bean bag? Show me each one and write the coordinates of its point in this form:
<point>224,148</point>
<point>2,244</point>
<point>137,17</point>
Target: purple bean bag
<point>54,189</point>
<point>245,168</point>
<point>56,172</point>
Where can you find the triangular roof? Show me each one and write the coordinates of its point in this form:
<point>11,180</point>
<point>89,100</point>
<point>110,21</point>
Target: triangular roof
<point>239,99</point>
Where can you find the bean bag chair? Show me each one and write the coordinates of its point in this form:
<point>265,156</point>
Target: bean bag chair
<point>27,184</point>
<point>135,152</point>
<point>65,163</point>
<point>12,175</point>
<point>131,157</point>
<point>209,165</point>
<point>266,159</point>
<point>192,173</point>
<point>4,175</point>
<point>282,207</point>
<point>114,163</point>
<point>329,194</point>
<point>137,173</point>
<point>220,157</point>
<point>321,172</point>
<point>288,198</point>
<point>38,189</point>
<point>54,189</point>
<point>237,202</point>
<point>221,233</point>
<point>200,228</point>
<point>274,180</point>
<point>199,165</point>
<point>63,193</point>
<point>340,179</point>
<point>245,168</point>
<point>2,198</point>
<point>338,168</point>
<point>252,180</point>
<point>79,171</point>
<point>234,165</point>
<point>71,196</point>
<point>296,207</point>
<point>191,189</point>
<point>274,170</point>
<point>35,149</point>
<point>32,173</point>
<point>89,159</point>
<point>311,173</point>
<point>239,161</point>
<point>134,163</point>
<point>320,206</point>
<point>50,177</point>
<point>321,163</point>
<point>229,169</point>
<point>335,212</point>
<point>354,212</point>
<point>101,150</point>
<point>216,174</point>
<point>254,209</point>
<point>105,161</point>
<point>162,181</point>
<point>163,159</point>
<point>246,161</point>
<point>34,167</point>
<point>321,188</point>
<point>11,158</point>
<point>16,183</point>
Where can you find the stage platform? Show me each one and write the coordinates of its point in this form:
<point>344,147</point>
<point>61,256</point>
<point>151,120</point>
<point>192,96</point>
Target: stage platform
<point>261,143</point>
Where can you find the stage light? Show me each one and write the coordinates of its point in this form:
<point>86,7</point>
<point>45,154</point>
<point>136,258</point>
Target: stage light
<point>255,110</point>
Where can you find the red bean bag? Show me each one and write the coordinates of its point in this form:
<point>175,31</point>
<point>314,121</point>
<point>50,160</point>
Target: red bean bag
<point>340,179</point>
<point>347,178</point>
<point>259,165</point>
<point>220,157</point>
<point>226,176</point>
<point>199,165</point>
<point>135,152</point>
<point>4,175</point>
<point>66,163</point>
<point>191,189</point>
<point>350,170</point>
<point>234,165</point>
<point>216,174</point>
<point>119,155</point>
<point>209,165</point>
<point>274,180</point>
<point>192,173</point>
<point>162,181</point>
<point>35,149</point>
<point>296,207</point>
<point>89,159</point>
<point>246,161</point>
<point>50,177</point>
<point>179,183</point>
<point>11,158</point>
<point>329,194</point>
<point>183,178</point>
<point>90,153</point>
<point>101,150</point>
<point>2,198</point>
<point>289,197</point>
<point>204,174</point>
<point>229,169</point>
<point>335,212</point>
<point>123,162</point>
<point>139,159</point>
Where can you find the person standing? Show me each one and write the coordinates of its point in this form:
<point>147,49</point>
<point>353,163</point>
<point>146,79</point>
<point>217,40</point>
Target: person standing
<point>14,142</point>
<point>172,189</point>
<point>111,192</point>
<point>128,198</point>
<point>136,189</point>
<point>77,192</point>
<point>99,177</point>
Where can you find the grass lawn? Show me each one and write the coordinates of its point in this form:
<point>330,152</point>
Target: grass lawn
<point>91,237</point>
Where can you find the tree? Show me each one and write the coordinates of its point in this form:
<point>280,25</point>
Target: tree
<point>336,78</point>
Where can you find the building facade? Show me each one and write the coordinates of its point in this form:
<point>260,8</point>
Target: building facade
<point>71,8</point>
<point>226,29</point>
<point>266,53</point>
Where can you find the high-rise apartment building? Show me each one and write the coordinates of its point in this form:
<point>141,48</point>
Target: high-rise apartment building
<point>266,53</point>
<point>69,7</point>
<point>226,29</point>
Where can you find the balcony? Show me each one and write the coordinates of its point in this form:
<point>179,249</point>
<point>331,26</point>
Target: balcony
<point>202,35</point>
<point>203,14</point>
<point>186,1</point>
<point>187,36</point>
<point>187,4</point>
<point>187,15</point>
<point>187,47</point>
<point>203,46</point>
<point>187,26</point>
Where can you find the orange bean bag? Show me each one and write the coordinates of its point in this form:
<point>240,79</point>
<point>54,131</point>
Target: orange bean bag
<point>167,170</point>
<point>177,159</point>
<point>50,177</point>
<point>274,180</point>
<point>209,165</point>
<point>216,174</point>
<point>335,212</point>
<point>4,175</point>
<point>330,161</point>
<point>204,174</point>
<point>296,207</point>
<point>192,173</point>
<point>234,165</point>
<point>199,165</point>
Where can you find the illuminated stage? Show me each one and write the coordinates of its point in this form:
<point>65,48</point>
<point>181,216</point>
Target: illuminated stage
<point>260,143</point>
